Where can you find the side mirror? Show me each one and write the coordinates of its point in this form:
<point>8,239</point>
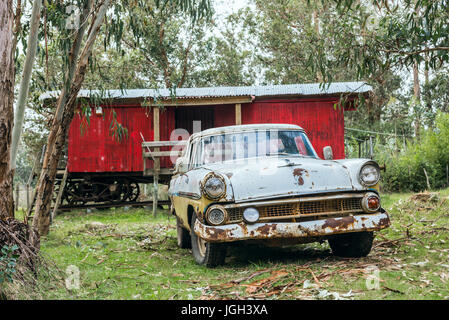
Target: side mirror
<point>327,152</point>
<point>181,165</point>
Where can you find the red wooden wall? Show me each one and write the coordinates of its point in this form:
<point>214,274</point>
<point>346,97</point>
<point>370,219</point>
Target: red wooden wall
<point>324,125</point>
<point>97,151</point>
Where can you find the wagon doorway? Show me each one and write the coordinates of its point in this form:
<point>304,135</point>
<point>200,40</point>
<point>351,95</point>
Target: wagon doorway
<point>198,118</point>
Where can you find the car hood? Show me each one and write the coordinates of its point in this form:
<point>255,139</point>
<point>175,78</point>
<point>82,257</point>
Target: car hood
<point>275,177</point>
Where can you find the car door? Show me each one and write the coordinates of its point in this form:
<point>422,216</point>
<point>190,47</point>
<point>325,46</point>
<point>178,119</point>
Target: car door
<point>184,187</point>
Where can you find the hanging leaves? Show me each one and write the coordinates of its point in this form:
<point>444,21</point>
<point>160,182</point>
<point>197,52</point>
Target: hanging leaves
<point>116,129</point>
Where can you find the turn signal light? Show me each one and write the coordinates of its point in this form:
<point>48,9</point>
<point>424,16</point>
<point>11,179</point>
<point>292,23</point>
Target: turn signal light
<point>370,202</point>
<point>373,203</point>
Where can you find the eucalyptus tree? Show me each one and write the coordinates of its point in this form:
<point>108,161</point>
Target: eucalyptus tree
<point>286,30</point>
<point>405,35</point>
<point>79,44</point>
<point>6,105</point>
<point>390,33</point>
<point>296,43</point>
<point>229,55</point>
<point>25,81</point>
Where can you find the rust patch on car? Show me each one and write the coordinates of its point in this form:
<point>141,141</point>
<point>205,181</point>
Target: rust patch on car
<point>337,224</point>
<point>216,234</point>
<point>244,227</point>
<point>297,173</point>
<point>308,232</point>
<point>384,222</point>
<point>229,175</point>
<point>267,229</point>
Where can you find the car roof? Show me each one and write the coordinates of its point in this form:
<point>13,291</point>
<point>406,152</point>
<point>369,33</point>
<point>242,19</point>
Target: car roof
<point>246,127</point>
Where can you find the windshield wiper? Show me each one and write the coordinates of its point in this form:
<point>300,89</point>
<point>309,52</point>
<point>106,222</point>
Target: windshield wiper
<point>279,153</point>
<point>289,154</point>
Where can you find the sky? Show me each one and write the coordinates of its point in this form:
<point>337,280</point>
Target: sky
<point>226,7</point>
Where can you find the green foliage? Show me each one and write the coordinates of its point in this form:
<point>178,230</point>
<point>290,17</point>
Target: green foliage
<point>405,170</point>
<point>113,63</point>
<point>23,168</point>
<point>379,34</point>
<point>229,56</point>
<point>8,263</point>
<point>294,39</point>
<point>436,91</point>
<point>116,129</point>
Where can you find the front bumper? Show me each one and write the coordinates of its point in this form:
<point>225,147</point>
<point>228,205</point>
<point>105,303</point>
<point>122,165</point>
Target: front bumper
<point>273,230</point>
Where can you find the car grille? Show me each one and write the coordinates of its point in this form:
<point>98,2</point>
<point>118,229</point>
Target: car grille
<point>301,209</point>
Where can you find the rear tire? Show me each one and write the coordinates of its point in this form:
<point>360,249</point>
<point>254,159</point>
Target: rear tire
<point>351,245</point>
<point>206,253</point>
<point>184,240</point>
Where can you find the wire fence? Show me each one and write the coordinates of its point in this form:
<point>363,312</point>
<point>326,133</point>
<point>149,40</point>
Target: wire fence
<point>364,143</point>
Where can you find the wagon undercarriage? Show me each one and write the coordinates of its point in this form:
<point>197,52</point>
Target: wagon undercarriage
<point>115,190</point>
<point>102,190</point>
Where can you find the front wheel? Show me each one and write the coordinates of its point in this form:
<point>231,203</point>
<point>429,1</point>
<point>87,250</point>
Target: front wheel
<point>184,240</point>
<point>206,253</point>
<point>351,245</point>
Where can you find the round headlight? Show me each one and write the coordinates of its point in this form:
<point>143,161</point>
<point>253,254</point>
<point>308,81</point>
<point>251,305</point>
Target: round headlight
<point>216,216</point>
<point>370,202</point>
<point>251,215</point>
<point>369,174</point>
<point>214,187</point>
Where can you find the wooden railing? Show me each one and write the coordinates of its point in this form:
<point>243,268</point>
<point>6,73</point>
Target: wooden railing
<point>151,151</point>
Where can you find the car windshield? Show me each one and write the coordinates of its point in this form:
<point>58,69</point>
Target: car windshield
<point>263,143</point>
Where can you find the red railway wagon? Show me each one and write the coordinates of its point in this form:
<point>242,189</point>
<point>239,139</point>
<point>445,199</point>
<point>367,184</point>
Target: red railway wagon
<point>102,168</point>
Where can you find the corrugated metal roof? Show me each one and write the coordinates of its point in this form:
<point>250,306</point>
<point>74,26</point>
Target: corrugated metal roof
<point>212,92</point>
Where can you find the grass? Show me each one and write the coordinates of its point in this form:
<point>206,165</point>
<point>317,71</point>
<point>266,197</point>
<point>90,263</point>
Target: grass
<point>128,254</point>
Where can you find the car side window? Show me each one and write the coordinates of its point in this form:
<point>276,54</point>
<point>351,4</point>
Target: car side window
<point>193,163</point>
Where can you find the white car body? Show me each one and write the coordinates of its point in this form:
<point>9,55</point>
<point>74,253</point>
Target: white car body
<point>267,183</point>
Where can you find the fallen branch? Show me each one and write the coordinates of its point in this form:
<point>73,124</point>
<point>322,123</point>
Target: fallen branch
<point>392,290</point>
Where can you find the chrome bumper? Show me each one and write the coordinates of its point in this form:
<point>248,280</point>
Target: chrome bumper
<point>273,230</point>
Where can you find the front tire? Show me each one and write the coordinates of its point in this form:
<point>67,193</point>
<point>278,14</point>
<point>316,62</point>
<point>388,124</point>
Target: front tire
<point>206,253</point>
<point>351,245</point>
<point>184,240</point>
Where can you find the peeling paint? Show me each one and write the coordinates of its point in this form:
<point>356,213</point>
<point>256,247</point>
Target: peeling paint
<point>340,223</point>
<point>297,173</point>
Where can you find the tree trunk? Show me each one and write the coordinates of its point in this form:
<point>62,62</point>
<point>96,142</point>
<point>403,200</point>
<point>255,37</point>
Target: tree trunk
<point>417,95</point>
<point>316,22</point>
<point>416,86</point>
<point>60,126</point>
<point>25,82</point>
<point>6,106</point>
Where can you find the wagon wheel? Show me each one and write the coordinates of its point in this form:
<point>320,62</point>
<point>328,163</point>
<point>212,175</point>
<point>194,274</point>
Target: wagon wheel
<point>118,191</point>
<point>133,191</point>
<point>73,194</point>
<point>101,191</point>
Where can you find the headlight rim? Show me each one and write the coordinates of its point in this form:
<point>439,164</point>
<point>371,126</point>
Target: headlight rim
<point>204,190</point>
<point>374,164</point>
<point>222,209</point>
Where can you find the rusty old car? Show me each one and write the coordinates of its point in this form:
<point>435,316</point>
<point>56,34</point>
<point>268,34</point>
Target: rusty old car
<point>265,183</point>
